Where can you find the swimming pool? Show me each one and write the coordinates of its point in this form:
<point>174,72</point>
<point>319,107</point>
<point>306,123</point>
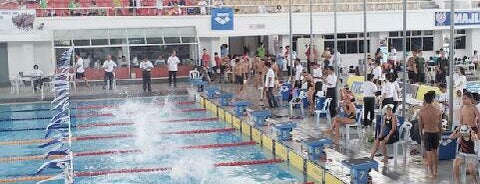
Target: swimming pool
<point>141,140</point>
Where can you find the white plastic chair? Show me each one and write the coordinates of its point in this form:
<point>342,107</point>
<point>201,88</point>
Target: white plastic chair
<point>325,110</point>
<point>71,80</point>
<point>404,141</point>
<point>15,83</point>
<point>194,74</point>
<point>357,124</point>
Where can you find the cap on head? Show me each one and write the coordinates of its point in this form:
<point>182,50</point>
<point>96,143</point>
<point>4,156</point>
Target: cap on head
<point>388,106</point>
<point>464,129</point>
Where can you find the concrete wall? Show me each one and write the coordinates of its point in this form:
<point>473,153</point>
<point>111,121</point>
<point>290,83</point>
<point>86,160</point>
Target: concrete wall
<point>23,55</point>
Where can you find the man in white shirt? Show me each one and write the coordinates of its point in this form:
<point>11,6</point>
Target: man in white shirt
<point>37,75</point>
<point>80,70</point>
<point>330,82</point>
<point>377,71</point>
<point>317,79</point>
<point>388,91</point>
<point>460,80</point>
<point>146,67</point>
<point>269,85</point>
<point>109,66</point>
<point>369,90</point>
<point>298,73</point>
<point>172,63</point>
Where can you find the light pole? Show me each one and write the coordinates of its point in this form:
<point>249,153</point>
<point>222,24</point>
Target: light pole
<point>451,55</point>
<point>404,50</point>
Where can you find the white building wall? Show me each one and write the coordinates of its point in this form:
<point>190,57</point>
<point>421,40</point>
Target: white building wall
<point>23,55</point>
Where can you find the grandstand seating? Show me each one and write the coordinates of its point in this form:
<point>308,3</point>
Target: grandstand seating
<point>240,6</point>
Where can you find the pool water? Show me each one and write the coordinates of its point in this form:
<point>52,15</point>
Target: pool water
<point>132,137</point>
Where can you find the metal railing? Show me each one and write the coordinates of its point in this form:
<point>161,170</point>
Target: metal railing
<point>238,9</point>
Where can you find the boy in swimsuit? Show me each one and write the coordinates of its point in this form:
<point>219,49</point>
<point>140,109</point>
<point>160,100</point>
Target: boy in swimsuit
<point>430,125</point>
<point>469,112</point>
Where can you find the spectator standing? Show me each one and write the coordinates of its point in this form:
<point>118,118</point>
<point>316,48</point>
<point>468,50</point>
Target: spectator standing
<point>218,65</point>
<point>327,55</point>
<point>419,67</point>
<point>330,83</point>
<point>475,59</point>
<point>411,68</point>
<point>172,63</point>
<point>298,74</point>
<point>146,67</point>
<point>80,70</point>
<point>442,68</point>
<point>206,58</point>
<point>269,85</point>
<point>377,71</point>
<point>109,66</point>
<point>460,80</point>
<point>388,91</point>
<point>261,51</point>
<point>203,6</point>
<point>369,90</point>
<point>224,51</point>
<point>288,60</point>
<point>37,75</point>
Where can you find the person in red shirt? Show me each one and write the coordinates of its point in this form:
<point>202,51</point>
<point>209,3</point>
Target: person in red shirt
<point>206,58</point>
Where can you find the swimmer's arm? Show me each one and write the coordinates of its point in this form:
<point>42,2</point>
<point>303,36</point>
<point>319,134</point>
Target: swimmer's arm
<point>420,125</point>
<point>454,135</point>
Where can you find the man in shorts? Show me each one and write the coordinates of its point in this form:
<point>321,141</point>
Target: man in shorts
<point>430,126</point>
<point>466,153</point>
<point>80,70</point>
<point>469,112</point>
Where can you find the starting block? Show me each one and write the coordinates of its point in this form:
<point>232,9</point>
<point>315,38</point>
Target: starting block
<point>225,99</point>
<point>199,83</point>
<point>359,169</point>
<point>316,149</point>
<point>211,92</point>
<point>240,107</point>
<point>260,116</point>
<point>284,131</point>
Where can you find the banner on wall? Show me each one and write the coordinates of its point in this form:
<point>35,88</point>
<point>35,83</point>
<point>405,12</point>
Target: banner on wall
<point>222,19</point>
<point>460,18</point>
<point>14,20</point>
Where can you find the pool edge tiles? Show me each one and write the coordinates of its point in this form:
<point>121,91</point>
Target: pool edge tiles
<point>278,149</point>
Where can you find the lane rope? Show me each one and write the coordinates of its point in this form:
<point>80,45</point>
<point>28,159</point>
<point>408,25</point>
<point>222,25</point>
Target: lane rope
<point>137,170</point>
<point>90,125</point>
<point>114,136</point>
<point>126,151</point>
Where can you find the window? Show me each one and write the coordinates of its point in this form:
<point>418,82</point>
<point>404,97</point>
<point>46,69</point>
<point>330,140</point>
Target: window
<point>351,43</point>
<point>460,39</point>
<point>415,40</point>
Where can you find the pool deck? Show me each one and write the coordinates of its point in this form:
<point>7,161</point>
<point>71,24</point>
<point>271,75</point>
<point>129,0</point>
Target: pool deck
<point>410,172</point>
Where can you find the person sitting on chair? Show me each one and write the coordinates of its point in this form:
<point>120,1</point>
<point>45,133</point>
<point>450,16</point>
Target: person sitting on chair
<point>347,116</point>
<point>37,78</point>
<point>387,133</point>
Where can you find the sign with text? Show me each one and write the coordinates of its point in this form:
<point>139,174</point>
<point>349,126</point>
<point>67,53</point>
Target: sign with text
<point>460,18</point>
<point>222,19</point>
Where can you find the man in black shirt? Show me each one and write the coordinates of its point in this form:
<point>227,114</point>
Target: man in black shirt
<point>442,68</point>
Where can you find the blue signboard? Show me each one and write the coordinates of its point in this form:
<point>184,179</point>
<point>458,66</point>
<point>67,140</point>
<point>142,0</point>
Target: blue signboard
<point>460,18</point>
<point>222,19</point>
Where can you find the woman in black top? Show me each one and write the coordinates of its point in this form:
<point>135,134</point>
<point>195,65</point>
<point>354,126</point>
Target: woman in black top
<point>348,116</point>
<point>466,152</point>
<point>388,131</point>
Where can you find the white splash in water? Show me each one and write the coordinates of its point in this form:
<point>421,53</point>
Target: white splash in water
<point>194,167</point>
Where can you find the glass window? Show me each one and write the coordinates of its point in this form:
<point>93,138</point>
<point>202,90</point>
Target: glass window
<point>352,35</point>
<point>428,32</point>
<point>118,41</point>
<point>154,40</point>
<point>118,33</point>
<point>136,36</point>
<point>136,40</point>
<point>329,44</point>
<point>416,33</point>
<point>416,43</point>
<point>409,48</point>
<point>352,47</point>
<point>461,31</point>
<point>460,42</point>
<point>81,42</point>
<point>341,35</point>
<point>329,37</point>
<point>396,43</point>
<point>427,43</point>
<point>172,39</point>
<point>99,41</point>
<point>60,43</point>
<point>98,34</point>
<point>393,34</point>
<point>189,40</point>
<point>342,46</point>
<point>409,33</point>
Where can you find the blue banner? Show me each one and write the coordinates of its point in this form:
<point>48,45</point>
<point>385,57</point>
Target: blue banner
<point>460,18</point>
<point>222,19</point>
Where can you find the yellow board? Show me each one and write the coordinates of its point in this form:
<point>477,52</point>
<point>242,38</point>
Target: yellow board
<point>281,151</point>
<point>202,102</point>
<point>236,123</point>
<point>314,171</point>
<point>353,78</point>
<point>228,118</point>
<point>267,142</point>
<point>214,109</point>
<point>246,129</point>
<point>295,160</point>
<point>422,89</point>
<point>330,179</point>
<point>207,105</point>
<point>221,114</point>
<point>256,135</point>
